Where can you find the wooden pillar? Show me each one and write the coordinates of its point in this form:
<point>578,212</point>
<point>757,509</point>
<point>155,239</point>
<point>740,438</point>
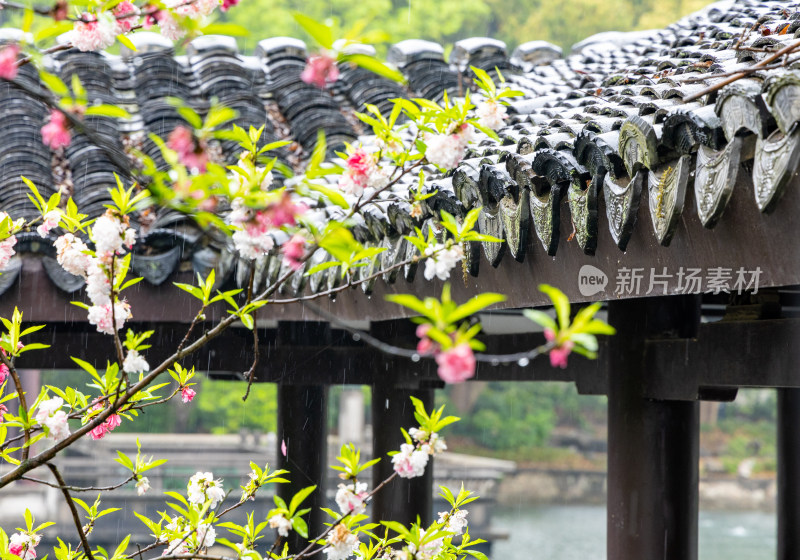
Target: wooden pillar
<point>653,445</point>
<point>403,500</point>
<point>303,428</point>
<point>788,474</point>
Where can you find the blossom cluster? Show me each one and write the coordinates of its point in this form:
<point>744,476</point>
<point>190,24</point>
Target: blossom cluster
<point>279,522</point>
<point>203,487</point>
<point>446,150</point>
<point>350,498</point>
<point>455,365</point>
<point>441,259</point>
<point>412,459</point>
<point>24,545</point>
<point>362,171</point>
<point>109,424</point>
<point>254,228</point>
<point>7,244</point>
<point>49,415</point>
<point>341,543</point>
<point>491,114</point>
<point>204,536</point>
<point>111,236</point>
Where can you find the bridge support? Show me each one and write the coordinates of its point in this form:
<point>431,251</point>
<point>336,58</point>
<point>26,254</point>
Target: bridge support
<point>653,445</point>
<point>303,428</point>
<point>788,473</point>
<point>403,500</point>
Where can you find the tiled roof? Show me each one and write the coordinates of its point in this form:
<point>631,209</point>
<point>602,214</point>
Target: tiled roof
<point>608,122</point>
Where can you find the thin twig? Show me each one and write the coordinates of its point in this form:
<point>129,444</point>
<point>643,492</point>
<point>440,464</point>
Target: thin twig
<point>75,516</point>
<point>741,74</point>
<point>23,404</point>
<point>60,486</point>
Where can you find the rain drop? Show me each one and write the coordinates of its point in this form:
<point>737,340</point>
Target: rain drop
<point>523,362</point>
<point>414,357</point>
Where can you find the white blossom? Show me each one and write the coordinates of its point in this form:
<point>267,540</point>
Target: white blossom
<point>202,487</point>
<point>350,498</point>
<point>135,363</point>
<point>441,260</point>
<point>341,543</point>
<point>94,35</point>
<point>280,523</point>
<point>49,221</point>
<point>251,246</point>
<point>50,415</point>
<point>456,522</point>
<point>410,462</point>
<point>491,114</point>
<point>72,254</point>
<point>107,234</point>
<point>142,485</point>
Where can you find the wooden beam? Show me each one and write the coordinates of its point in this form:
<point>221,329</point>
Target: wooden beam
<point>745,238</point>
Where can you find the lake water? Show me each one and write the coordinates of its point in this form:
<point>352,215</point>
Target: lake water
<point>578,533</point>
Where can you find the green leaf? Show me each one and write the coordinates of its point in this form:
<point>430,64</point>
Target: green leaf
<point>127,42</point>
<point>540,318</point>
<point>230,29</point>
<point>320,32</point>
<point>107,111</point>
<point>560,302</point>
<point>298,498</point>
<point>474,305</point>
<point>376,66</point>
<point>331,194</point>
<point>299,525</point>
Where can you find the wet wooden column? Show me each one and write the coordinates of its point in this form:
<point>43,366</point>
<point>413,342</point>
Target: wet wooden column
<point>303,428</point>
<point>788,474</point>
<point>653,445</point>
<point>403,500</point>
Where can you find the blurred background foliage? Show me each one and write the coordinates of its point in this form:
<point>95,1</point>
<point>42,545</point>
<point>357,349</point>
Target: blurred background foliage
<point>563,22</point>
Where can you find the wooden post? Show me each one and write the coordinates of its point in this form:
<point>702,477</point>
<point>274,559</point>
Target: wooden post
<point>788,473</point>
<point>403,500</point>
<point>653,445</point>
<point>303,428</point>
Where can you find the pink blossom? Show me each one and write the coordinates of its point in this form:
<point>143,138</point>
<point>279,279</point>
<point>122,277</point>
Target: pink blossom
<point>559,354</point>
<point>94,32</point>
<point>187,394</point>
<point>283,447</point>
<point>99,432</point>
<point>8,62</point>
<point>127,15</point>
<point>456,364</point>
<point>282,213</point>
<point>22,545</point>
<point>410,462</point>
<point>293,251</point>
<point>6,248</point>
<point>195,10</point>
<point>49,221</point>
<point>113,421</point>
<point>320,69</point>
<point>55,134</point>
<point>72,255</point>
<point>228,4</point>
<point>425,346</point>
<point>3,373</point>
<point>362,171</point>
<point>101,316</point>
<point>182,141</point>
